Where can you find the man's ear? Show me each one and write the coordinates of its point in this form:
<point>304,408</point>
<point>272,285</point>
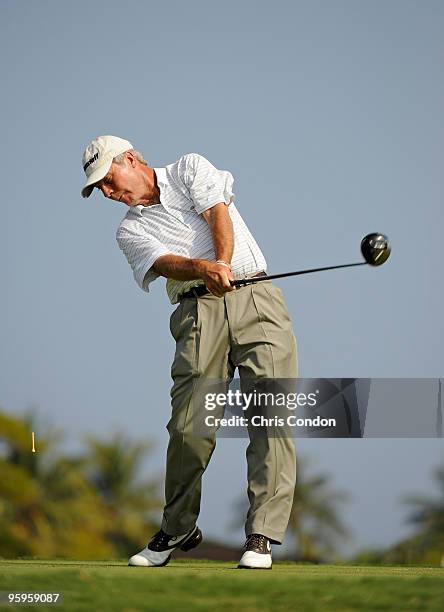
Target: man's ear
<point>131,159</point>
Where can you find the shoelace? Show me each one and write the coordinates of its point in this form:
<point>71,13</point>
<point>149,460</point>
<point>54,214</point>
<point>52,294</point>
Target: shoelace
<point>159,540</point>
<point>257,540</point>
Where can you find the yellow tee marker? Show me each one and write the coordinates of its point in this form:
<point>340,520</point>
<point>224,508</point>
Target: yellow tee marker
<point>33,442</point>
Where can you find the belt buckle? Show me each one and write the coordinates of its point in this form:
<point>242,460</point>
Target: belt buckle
<point>199,290</point>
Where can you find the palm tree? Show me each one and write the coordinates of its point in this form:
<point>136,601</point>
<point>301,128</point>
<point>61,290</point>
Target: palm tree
<point>113,468</point>
<point>47,506</point>
<point>427,515</point>
<point>315,519</point>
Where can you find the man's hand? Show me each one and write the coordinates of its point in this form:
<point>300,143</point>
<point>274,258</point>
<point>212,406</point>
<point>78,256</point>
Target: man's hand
<point>217,278</point>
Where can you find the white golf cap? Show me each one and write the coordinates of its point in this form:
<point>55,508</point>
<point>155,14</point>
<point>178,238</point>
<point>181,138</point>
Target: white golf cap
<point>98,157</point>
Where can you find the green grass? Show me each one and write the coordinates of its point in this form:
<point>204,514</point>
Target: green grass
<point>211,586</point>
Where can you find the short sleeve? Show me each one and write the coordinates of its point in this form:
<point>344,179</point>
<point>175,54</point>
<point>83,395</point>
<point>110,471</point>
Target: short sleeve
<point>141,251</point>
<point>207,185</point>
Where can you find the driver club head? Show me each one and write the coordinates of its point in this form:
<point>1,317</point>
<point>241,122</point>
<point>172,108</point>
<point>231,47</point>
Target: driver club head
<point>375,249</point>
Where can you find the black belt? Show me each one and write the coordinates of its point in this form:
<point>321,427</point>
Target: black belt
<point>202,290</point>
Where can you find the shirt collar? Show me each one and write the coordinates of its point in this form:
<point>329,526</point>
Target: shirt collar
<point>161,181</point>
<point>161,175</point>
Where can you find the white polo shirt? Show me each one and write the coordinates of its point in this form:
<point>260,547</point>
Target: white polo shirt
<point>176,226</point>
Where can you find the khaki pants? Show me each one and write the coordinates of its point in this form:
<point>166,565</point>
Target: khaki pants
<point>250,329</point>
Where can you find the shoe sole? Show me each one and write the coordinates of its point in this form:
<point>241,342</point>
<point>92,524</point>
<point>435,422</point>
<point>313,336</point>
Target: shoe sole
<point>193,540</point>
<point>254,568</point>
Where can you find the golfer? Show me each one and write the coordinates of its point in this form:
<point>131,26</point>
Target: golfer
<point>182,224</point>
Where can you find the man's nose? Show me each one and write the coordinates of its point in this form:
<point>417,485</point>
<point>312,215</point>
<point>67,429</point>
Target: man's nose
<point>107,191</point>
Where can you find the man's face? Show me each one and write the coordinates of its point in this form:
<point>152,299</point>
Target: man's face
<point>124,182</point>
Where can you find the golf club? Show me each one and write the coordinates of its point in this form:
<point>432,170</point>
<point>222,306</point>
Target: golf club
<point>375,249</point>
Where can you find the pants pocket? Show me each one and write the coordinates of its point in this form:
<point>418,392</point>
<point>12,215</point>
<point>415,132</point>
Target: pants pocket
<point>185,331</point>
<point>174,318</point>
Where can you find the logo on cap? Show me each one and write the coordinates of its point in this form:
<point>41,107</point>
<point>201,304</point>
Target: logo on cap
<point>90,161</point>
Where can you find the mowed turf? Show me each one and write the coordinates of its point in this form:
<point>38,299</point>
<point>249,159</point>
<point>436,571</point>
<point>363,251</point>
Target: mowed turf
<point>211,586</point>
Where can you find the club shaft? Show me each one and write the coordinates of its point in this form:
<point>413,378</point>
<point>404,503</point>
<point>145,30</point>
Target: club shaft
<point>240,282</point>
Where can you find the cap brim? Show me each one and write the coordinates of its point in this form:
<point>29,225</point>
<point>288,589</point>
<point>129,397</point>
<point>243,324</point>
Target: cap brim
<point>94,178</point>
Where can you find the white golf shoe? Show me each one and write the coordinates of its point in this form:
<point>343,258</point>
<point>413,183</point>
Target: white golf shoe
<point>158,550</point>
<point>256,553</point>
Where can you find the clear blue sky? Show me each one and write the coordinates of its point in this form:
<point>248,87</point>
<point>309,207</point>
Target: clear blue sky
<point>329,116</point>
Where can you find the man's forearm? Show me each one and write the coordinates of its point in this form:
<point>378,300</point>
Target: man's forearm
<point>223,240</point>
<point>221,227</point>
<point>180,268</point>
<point>215,276</point>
